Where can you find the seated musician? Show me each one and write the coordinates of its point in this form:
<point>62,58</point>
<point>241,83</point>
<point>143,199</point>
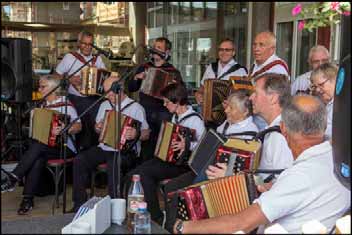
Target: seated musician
<point>272,92</point>
<point>155,170</point>
<point>305,191</point>
<point>224,67</point>
<point>323,80</point>
<point>86,162</point>
<point>155,110</point>
<point>34,160</point>
<point>239,119</point>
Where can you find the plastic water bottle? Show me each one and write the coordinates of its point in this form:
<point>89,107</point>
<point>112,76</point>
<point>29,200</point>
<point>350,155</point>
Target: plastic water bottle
<point>142,220</point>
<point>135,195</point>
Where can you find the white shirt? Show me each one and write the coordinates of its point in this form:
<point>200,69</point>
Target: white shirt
<point>71,111</point>
<point>135,111</point>
<point>278,69</point>
<point>209,73</point>
<point>307,190</point>
<point>69,64</point>
<point>242,126</point>
<point>193,122</point>
<point>329,111</point>
<point>275,152</point>
<point>301,83</point>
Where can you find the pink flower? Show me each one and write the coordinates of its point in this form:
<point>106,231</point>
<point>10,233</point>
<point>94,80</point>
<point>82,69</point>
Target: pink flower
<point>346,13</point>
<point>334,6</point>
<point>297,9</point>
<point>301,25</point>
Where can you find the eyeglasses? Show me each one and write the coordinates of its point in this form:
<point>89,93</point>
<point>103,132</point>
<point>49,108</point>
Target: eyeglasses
<point>320,85</point>
<point>225,49</point>
<point>323,61</point>
<point>86,44</point>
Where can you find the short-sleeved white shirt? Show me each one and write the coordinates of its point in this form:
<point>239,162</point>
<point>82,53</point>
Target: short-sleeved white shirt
<point>301,83</point>
<point>193,122</point>
<point>209,73</point>
<point>275,152</point>
<point>307,190</point>
<point>69,64</point>
<point>71,111</point>
<point>242,126</point>
<point>329,111</point>
<point>135,111</point>
<point>278,69</point>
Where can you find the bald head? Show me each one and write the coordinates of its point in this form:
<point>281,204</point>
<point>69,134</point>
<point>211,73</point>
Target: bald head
<point>264,46</point>
<point>305,115</point>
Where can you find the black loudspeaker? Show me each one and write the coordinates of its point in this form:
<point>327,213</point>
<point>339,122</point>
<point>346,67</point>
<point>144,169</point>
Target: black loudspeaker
<point>16,56</point>
<point>341,130</point>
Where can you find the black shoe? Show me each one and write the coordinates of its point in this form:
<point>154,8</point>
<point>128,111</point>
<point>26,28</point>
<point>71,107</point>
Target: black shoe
<point>8,184</point>
<point>26,206</point>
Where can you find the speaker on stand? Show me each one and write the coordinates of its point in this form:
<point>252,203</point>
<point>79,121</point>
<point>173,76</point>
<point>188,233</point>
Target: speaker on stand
<point>16,86</point>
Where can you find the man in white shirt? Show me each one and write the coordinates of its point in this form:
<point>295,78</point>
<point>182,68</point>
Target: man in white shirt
<point>307,190</point>
<point>86,162</point>
<point>69,64</point>
<point>317,55</point>
<point>32,164</point>
<point>266,61</point>
<point>224,67</point>
<point>323,81</point>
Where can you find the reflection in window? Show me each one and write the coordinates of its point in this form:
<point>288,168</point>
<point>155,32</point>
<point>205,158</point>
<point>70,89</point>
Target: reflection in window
<point>185,12</point>
<point>284,42</point>
<point>211,10</point>
<point>305,41</point>
<point>198,11</point>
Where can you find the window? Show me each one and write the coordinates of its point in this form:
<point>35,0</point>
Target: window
<point>305,41</point>
<point>284,34</point>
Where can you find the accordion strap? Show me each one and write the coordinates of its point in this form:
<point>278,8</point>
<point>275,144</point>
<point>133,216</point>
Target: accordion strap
<point>269,66</point>
<point>234,68</point>
<point>81,58</point>
<point>59,104</point>
<point>125,107</point>
<point>188,116</point>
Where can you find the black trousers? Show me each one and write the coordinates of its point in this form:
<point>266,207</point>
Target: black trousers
<point>87,137</point>
<point>33,162</point>
<point>154,117</point>
<point>152,172</point>
<point>173,185</point>
<point>86,162</point>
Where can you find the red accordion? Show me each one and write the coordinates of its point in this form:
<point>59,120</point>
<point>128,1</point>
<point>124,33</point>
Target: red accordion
<point>223,196</point>
<point>42,124</point>
<point>108,134</point>
<point>170,132</point>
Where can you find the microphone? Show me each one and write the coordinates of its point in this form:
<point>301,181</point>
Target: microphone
<point>107,54</point>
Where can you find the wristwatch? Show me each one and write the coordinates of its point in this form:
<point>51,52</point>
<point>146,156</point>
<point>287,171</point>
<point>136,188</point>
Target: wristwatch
<point>179,227</point>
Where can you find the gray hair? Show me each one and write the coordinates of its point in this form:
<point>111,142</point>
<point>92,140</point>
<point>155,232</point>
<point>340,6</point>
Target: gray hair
<point>317,48</point>
<point>277,83</point>
<point>240,98</point>
<point>297,119</point>
<point>329,70</point>
<point>84,34</point>
<point>53,81</point>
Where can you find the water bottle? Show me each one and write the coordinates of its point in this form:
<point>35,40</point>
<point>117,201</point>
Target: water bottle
<point>135,195</point>
<point>142,220</point>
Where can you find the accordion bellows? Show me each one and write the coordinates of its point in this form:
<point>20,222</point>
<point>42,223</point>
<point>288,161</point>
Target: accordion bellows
<point>42,121</point>
<point>108,134</point>
<point>169,132</point>
<point>93,80</point>
<point>223,196</point>
<point>215,92</point>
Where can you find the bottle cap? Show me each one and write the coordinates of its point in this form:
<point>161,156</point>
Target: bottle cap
<point>136,177</point>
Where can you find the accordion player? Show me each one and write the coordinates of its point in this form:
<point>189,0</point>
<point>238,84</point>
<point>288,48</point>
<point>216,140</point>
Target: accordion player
<point>168,133</point>
<point>223,196</point>
<point>156,79</point>
<point>108,134</point>
<point>93,80</point>
<point>42,124</point>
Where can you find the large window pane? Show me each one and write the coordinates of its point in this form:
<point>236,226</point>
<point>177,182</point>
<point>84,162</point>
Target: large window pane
<point>305,41</point>
<point>284,41</point>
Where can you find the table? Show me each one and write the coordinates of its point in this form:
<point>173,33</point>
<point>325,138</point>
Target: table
<point>54,224</point>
